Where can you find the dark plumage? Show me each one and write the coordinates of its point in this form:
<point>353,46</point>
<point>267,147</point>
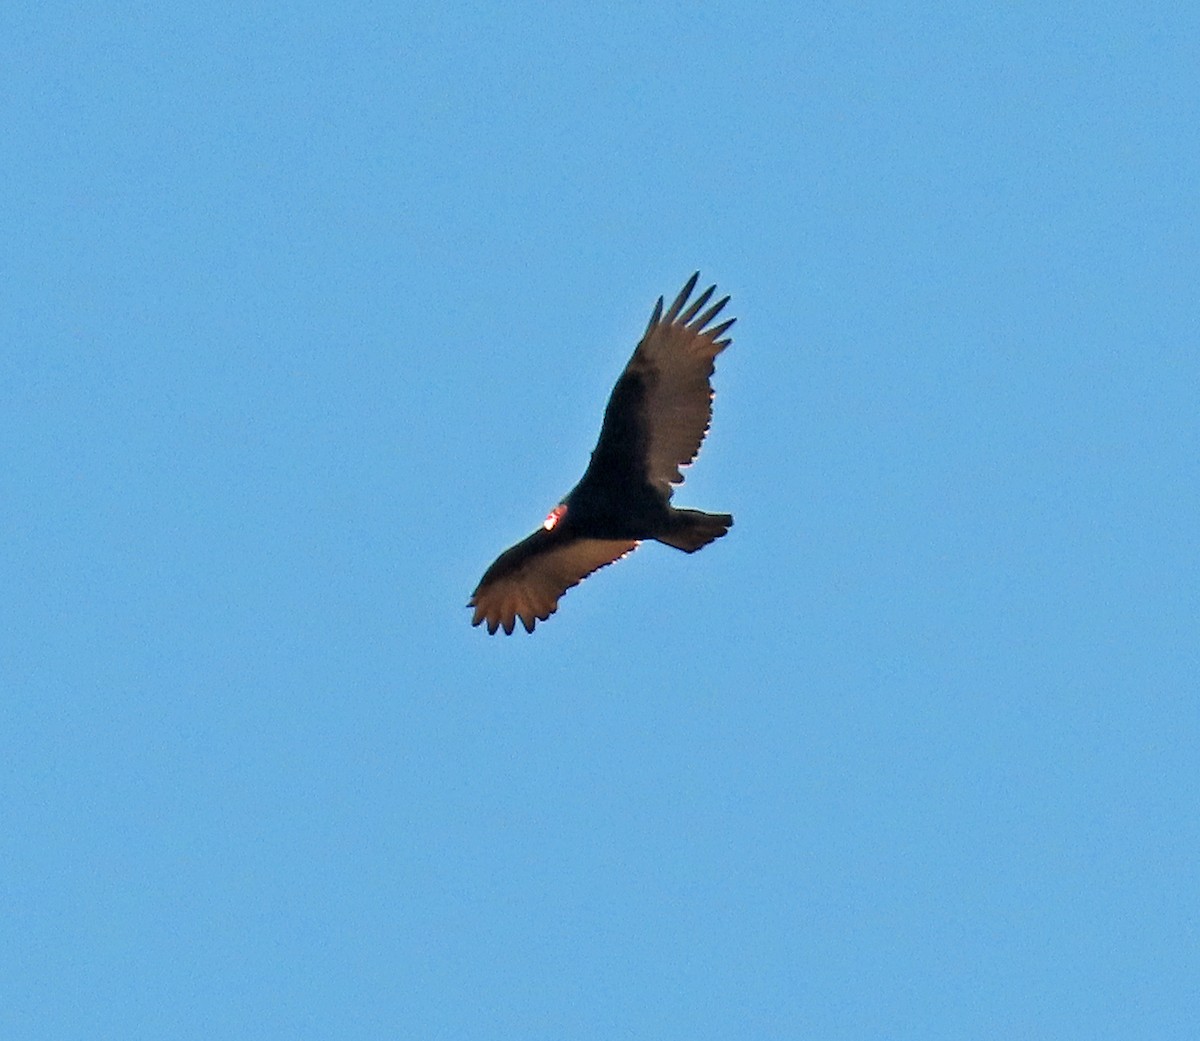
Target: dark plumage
<point>656,419</point>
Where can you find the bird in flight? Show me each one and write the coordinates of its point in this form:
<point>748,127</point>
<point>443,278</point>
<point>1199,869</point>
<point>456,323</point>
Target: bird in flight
<point>655,422</point>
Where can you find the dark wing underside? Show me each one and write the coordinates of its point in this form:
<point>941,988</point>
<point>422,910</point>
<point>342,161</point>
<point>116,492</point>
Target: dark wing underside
<point>661,407</point>
<point>527,580</point>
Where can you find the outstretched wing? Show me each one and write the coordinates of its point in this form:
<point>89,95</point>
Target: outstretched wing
<point>527,580</point>
<point>661,407</point>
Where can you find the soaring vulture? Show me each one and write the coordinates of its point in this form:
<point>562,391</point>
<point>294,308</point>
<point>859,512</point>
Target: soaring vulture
<point>656,419</point>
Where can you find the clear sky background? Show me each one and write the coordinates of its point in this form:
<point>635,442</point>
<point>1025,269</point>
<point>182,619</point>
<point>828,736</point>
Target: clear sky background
<point>309,310</point>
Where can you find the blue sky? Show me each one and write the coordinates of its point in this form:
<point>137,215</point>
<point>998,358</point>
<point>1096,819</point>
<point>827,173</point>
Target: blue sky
<point>308,311</point>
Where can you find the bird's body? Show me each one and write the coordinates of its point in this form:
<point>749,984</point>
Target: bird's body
<point>656,419</point>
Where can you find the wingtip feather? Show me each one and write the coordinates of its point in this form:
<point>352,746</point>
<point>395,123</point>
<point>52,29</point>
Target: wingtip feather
<point>719,330</point>
<point>655,316</point>
<point>681,299</point>
<point>698,303</point>
<point>710,314</point>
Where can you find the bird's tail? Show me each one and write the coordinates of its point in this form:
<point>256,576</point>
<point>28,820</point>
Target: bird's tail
<point>693,529</point>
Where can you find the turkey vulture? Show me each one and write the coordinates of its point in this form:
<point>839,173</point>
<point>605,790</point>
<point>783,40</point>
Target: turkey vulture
<point>656,419</point>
